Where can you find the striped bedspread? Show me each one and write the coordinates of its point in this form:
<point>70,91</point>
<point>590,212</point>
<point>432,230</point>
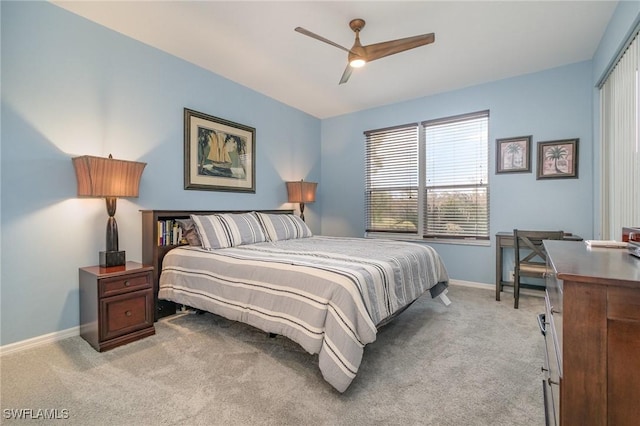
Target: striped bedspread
<point>325,293</point>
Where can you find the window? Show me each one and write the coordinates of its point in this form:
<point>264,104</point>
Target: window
<point>620,144</point>
<point>391,197</point>
<point>457,177</point>
<point>429,179</point>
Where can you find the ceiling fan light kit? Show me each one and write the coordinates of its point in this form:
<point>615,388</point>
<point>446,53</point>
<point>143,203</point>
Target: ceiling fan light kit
<point>359,55</point>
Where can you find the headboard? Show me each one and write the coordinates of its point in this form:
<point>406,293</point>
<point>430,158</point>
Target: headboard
<point>153,253</point>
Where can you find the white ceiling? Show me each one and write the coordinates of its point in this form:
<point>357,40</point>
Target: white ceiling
<point>254,43</point>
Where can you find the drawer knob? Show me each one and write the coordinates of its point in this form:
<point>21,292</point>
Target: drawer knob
<point>128,313</point>
<point>552,382</point>
<point>543,369</point>
<point>554,311</point>
<point>127,283</point>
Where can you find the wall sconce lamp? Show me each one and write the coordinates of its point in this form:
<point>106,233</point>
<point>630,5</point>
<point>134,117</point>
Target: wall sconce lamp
<point>108,178</point>
<point>301,192</point>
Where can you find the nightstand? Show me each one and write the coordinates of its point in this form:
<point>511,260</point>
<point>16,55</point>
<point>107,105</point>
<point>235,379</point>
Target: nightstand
<point>116,304</point>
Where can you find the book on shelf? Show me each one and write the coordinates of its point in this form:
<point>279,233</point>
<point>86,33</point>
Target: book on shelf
<point>169,233</point>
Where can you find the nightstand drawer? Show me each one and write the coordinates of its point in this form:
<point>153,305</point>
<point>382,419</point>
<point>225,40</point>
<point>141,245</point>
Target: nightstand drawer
<point>126,313</point>
<point>124,284</point>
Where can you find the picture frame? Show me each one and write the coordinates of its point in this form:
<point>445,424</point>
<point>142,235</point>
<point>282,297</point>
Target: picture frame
<point>219,155</point>
<point>558,159</point>
<point>513,155</point>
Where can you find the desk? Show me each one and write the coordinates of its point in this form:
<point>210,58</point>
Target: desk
<point>505,240</point>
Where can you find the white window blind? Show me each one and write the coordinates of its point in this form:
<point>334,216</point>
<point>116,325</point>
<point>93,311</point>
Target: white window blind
<point>620,151</point>
<point>457,189</point>
<point>391,179</point>
<point>429,180</point>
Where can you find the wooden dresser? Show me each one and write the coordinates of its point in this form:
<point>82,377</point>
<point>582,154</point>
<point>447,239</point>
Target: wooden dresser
<point>592,335</point>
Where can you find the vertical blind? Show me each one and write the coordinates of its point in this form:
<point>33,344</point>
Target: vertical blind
<point>620,151</point>
<point>429,180</point>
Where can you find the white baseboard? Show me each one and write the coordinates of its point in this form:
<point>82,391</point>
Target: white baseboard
<point>492,287</point>
<point>39,340</point>
<point>473,284</point>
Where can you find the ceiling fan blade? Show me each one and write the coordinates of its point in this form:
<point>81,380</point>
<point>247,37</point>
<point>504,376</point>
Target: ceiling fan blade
<point>346,74</point>
<point>317,37</point>
<point>386,48</point>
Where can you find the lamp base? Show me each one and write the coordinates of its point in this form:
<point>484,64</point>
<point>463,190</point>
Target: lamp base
<point>112,258</point>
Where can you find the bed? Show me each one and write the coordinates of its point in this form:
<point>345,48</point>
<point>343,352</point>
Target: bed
<point>328,294</point>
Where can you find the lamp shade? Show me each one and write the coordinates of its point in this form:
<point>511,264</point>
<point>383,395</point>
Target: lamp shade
<point>301,191</point>
<point>107,177</point>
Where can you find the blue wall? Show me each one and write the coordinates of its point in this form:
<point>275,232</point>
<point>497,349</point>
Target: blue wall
<point>550,105</point>
<point>71,87</point>
<point>625,19</point>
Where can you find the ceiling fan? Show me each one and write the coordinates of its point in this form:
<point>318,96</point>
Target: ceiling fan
<point>359,55</point>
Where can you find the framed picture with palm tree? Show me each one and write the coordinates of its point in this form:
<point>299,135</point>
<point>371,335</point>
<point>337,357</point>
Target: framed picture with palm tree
<point>513,155</point>
<point>558,159</point>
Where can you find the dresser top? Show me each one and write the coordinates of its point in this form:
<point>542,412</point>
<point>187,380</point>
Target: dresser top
<point>607,266</point>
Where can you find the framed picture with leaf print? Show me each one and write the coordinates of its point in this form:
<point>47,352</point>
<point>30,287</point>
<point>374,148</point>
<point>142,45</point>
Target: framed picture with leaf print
<point>558,159</point>
<point>513,155</point>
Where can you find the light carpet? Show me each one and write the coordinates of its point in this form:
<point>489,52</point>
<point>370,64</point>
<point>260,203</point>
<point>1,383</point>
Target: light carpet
<point>476,362</point>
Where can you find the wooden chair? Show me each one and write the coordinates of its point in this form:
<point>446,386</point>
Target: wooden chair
<point>530,256</point>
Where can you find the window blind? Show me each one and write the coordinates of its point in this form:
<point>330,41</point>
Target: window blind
<point>429,180</point>
<point>620,140</point>
<point>457,190</point>
<point>391,179</point>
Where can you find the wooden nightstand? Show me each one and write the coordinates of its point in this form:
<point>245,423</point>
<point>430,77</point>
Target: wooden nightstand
<point>116,304</point>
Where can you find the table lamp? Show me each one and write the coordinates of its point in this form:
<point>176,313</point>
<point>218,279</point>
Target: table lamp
<point>301,192</point>
<point>108,178</point>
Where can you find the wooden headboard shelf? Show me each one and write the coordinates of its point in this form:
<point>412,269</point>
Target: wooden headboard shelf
<point>152,253</point>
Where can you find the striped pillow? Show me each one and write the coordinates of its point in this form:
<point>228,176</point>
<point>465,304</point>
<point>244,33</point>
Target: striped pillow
<point>283,226</point>
<point>228,230</point>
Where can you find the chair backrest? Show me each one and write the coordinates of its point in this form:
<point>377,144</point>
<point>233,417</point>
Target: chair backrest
<point>528,245</point>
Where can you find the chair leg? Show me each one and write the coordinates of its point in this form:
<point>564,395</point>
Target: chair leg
<point>516,290</point>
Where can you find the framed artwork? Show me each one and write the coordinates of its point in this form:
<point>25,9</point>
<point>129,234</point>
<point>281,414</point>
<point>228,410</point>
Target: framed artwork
<point>219,155</point>
<point>513,155</point>
<point>558,159</point>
